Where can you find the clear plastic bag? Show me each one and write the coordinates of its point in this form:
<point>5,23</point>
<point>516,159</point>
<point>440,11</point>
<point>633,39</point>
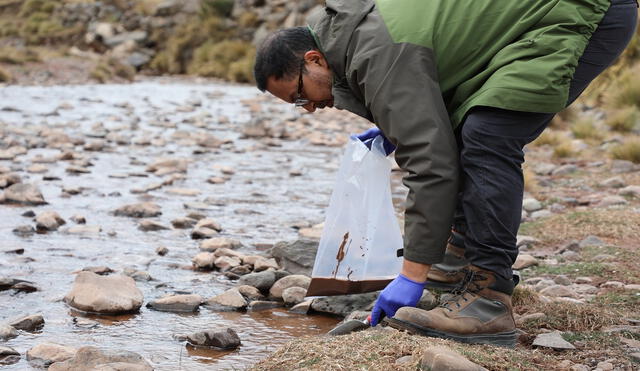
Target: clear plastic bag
<point>361,236</point>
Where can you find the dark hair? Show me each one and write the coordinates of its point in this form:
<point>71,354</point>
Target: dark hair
<point>280,54</point>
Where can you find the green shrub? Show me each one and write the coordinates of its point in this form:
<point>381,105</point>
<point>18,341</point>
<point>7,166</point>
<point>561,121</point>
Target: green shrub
<point>624,120</point>
<point>629,150</point>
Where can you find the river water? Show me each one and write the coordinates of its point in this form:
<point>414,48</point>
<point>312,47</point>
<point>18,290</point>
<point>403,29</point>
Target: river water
<point>276,185</point>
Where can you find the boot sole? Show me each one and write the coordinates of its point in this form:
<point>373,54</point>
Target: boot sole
<point>503,339</point>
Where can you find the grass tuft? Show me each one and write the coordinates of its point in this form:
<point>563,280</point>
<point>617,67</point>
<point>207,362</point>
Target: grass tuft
<point>17,56</point>
<point>563,150</point>
<point>624,120</point>
<point>629,150</point>
<point>548,137</point>
<point>5,76</point>
<point>232,60</point>
<point>586,129</point>
<point>108,68</point>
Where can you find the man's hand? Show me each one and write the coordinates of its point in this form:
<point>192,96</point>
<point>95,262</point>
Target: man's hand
<point>401,292</point>
<point>367,137</point>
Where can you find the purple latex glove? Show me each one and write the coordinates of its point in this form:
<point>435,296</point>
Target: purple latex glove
<point>367,137</point>
<point>401,292</point>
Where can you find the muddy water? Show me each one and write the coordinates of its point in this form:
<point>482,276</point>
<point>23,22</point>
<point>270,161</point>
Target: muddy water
<point>258,206</point>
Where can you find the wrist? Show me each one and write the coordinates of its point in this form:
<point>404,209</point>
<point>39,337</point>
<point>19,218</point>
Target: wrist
<point>415,271</point>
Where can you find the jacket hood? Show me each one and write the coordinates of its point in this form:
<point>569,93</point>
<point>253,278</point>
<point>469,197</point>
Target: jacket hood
<point>330,25</point>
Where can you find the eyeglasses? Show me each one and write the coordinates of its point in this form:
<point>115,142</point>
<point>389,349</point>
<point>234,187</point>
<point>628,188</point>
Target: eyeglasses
<point>299,102</point>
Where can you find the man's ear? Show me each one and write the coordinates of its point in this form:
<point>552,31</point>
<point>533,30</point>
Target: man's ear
<point>315,57</point>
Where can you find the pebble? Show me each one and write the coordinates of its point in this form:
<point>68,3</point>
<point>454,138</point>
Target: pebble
<point>147,225</point>
<point>139,210</point>
<point>162,250</point>
<point>612,285</point>
<point>294,280</point>
<point>614,182</point>
<point>258,305</point>
<point>28,323</point>
<point>294,295</point>
<point>204,260</point>
<point>591,241</point>
<point>177,303</point>
<point>541,214</point>
<point>531,204</point>
<point>78,219</point>
<point>260,280</point>
<point>558,291</point>
<point>562,280</point>
<point>213,244</point>
<point>7,332</point>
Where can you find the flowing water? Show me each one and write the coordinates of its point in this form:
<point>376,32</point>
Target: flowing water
<point>258,205</point>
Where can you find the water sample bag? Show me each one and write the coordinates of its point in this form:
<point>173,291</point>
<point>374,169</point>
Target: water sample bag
<point>361,235</point>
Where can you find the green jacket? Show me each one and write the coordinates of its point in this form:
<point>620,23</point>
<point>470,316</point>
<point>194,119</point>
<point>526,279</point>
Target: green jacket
<point>416,67</point>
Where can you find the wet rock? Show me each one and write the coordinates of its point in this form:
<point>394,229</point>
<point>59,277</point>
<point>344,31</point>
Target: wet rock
<point>296,257</point>
<point>531,204</point>
<point>258,305</point>
<point>204,260</point>
<point>612,201</point>
<point>615,182</point>
<point>552,340</point>
<point>295,280</point>
<point>84,230</point>
<point>7,332</point>
<point>177,303</point>
<point>213,244</point>
<point>24,194</point>
<point>443,358</point>
<point>205,228</point>
<point>78,219</point>
<point>168,166</point>
<point>524,261</point>
<point>92,358</point>
<point>223,251</point>
<point>526,241</point>
<point>8,179</point>
<point>591,241</point>
<point>137,275</point>
<point>342,305</point>
<point>8,355</point>
<point>183,223</point>
<point>184,191</point>
<point>263,264</point>
<point>622,166</point>
<point>630,191</point>
<point>225,263</point>
<point>139,210</point>
<point>302,308</point>
<point>24,231</point>
<point>225,339</point>
<point>241,270</point>
<point>147,225</point>
<point>162,251</point>
<point>294,295</point>
<point>49,221</point>
<point>229,300</point>
<point>24,287</point>
<point>85,322</point>
<point>30,323</point>
<point>250,292</point>
<point>104,294</point>
<point>260,280</point>
<point>44,354</point>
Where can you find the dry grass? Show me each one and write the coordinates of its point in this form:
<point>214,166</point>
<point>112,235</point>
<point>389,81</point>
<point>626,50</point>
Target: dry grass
<point>548,137</point>
<point>109,68</point>
<point>232,60</point>
<point>625,91</point>
<point>629,150</point>
<point>563,150</point>
<point>624,120</point>
<point>530,182</point>
<point>615,225</point>
<point>563,119</point>
<point>585,128</point>
<point>12,55</point>
<point>5,76</point>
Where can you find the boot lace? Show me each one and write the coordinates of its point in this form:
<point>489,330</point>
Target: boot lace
<point>468,285</point>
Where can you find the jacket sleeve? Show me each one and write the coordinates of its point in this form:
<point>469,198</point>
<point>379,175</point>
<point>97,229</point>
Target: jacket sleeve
<point>398,84</point>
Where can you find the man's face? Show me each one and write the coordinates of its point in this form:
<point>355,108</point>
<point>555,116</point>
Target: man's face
<point>314,85</point>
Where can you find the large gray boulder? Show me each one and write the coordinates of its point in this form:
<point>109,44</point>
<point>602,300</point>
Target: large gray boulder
<point>260,280</point>
<point>104,294</point>
<point>25,194</point>
<point>296,257</point>
<point>342,305</point>
<point>92,358</point>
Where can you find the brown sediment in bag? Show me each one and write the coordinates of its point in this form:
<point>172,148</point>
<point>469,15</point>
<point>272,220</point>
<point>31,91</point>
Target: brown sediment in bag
<point>341,252</point>
<point>332,286</point>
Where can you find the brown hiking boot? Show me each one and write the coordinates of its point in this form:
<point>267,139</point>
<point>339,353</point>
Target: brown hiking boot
<point>479,313</point>
<point>448,274</point>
